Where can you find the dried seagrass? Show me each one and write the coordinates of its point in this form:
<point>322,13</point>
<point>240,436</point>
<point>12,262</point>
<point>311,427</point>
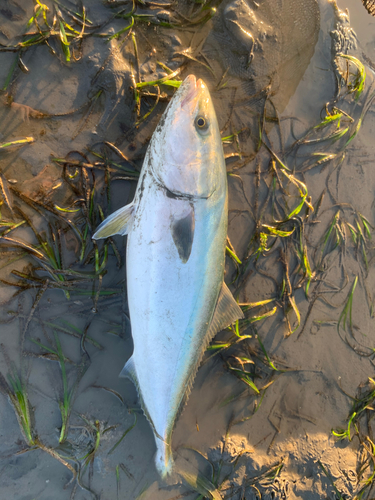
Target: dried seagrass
<point>370,6</point>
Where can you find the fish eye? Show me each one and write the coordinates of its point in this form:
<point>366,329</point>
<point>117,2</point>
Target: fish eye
<point>201,123</point>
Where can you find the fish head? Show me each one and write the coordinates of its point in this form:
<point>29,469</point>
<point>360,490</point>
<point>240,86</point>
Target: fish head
<point>186,153</point>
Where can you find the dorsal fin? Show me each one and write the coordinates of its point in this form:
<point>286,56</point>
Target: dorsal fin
<point>117,223</point>
<point>227,311</point>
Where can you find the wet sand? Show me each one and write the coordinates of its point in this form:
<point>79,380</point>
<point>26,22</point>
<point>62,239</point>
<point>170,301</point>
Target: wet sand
<point>276,443</point>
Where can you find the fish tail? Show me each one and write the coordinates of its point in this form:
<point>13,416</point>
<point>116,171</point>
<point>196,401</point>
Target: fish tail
<point>163,458</point>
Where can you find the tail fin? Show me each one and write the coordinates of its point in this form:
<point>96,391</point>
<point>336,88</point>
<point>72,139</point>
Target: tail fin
<point>163,457</point>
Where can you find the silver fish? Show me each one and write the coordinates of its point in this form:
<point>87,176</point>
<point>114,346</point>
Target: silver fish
<point>177,230</point>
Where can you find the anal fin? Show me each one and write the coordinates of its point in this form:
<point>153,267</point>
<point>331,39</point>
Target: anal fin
<point>129,371</point>
<point>117,223</point>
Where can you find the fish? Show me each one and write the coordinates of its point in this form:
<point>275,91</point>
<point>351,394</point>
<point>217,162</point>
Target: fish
<point>175,257</point>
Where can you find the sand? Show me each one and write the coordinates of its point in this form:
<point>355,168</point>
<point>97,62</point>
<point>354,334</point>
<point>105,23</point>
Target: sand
<point>277,444</point>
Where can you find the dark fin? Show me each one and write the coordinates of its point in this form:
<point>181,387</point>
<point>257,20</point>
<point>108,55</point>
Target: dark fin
<point>117,223</point>
<point>227,311</point>
<point>183,235</point>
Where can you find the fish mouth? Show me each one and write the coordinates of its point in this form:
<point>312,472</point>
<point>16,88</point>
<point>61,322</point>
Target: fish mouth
<point>194,88</point>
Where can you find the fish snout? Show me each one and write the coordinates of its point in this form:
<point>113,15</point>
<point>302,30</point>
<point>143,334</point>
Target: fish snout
<point>190,87</point>
<point>200,85</point>
<point>194,91</point>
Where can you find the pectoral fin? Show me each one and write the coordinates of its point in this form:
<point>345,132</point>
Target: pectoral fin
<point>117,223</point>
<point>183,234</point>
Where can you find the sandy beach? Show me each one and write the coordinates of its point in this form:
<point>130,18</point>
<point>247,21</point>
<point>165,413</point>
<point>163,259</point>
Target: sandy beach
<point>282,405</point>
